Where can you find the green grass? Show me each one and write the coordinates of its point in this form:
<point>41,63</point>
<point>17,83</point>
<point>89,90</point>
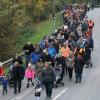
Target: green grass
<point>43,28</point>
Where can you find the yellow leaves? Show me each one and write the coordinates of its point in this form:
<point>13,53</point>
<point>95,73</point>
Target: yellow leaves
<point>25,2</point>
<point>39,4</point>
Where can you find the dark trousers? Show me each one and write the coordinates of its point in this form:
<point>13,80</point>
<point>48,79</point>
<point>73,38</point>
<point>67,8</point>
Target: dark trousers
<point>70,72</point>
<point>17,84</point>
<point>78,77</point>
<point>48,87</point>
<point>28,59</point>
<point>29,80</point>
<point>64,71</point>
<point>4,89</point>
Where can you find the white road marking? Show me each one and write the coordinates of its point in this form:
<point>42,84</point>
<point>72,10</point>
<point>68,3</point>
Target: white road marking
<point>62,92</point>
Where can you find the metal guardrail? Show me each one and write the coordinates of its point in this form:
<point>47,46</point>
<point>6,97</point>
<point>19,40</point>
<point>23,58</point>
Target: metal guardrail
<point>10,60</point>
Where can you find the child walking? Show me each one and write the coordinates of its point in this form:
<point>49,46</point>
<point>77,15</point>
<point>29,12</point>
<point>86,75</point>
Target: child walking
<point>4,84</point>
<point>30,74</point>
<point>38,90</point>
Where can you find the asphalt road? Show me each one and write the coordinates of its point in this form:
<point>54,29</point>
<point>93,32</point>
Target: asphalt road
<point>89,89</point>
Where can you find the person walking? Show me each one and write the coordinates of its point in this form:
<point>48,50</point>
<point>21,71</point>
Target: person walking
<point>28,49</point>
<point>70,65</point>
<point>79,64</point>
<point>64,51</point>
<point>38,89</point>
<point>18,76</point>
<point>5,84</point>
<point>48,79</point>
<point>30,74</point>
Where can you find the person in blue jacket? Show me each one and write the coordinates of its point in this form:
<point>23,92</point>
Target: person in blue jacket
<point>52,51</point>
<point>35,56</point>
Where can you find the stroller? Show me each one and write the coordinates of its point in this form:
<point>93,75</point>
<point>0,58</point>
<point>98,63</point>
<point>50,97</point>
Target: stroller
<point>59,79</point>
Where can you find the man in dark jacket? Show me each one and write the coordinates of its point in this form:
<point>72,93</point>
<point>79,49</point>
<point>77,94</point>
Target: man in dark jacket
<point>18,75</point>
<point>48,79</point>
<point>79,64</point>
<point>28,49</point>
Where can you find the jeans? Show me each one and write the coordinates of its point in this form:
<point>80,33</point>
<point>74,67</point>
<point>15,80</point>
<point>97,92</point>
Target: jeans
<point>4,89</point>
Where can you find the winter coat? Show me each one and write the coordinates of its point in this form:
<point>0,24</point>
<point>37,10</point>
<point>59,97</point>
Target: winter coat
<point>18,72</point>
<point>30,73</point>
<point>28,49</point>
<point>84,26</point>
<point>39,68</point>
<point>35,57</point>
<point>52,52</point>
<point>79,64</point>
<point>4,82</point>
<point>48,76</point>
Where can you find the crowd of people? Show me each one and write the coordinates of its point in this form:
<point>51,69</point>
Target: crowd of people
<point>66,51</point>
